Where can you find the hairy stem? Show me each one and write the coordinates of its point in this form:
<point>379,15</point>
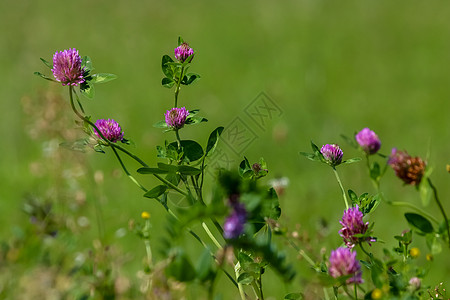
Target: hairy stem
<point>342,188</point>
<point>177,89</point>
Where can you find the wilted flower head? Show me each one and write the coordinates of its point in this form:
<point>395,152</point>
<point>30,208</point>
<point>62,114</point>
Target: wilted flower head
<point>176,117</point>
<point>407,168</point>
<point>343,262</point>
<point>67,67</point>
<point>234,224</point>
<point>110,130</point>
<point>332,154</point>
<point>368,140</point>
<point>352,224</point>
<point>183,51</point>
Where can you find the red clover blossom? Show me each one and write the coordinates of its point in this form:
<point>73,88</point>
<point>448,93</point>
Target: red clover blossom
<point>352,224</point>
<point>110,130</point>
<point>67,67</point>
<point>176,117</point>
<point>183,51</point>
<point>407,168</point>
<point>343,262</point>
<point>332,154</point>
<point>368,141</point>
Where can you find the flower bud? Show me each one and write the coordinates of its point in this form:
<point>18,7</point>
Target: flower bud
<point>368,141</point>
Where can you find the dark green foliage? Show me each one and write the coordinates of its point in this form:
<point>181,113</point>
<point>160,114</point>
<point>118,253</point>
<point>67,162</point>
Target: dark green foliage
<point>419,223</point>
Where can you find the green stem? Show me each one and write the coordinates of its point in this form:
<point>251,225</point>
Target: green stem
<point>200,199</point>
<point>140,161</point>
<point>127,172</point>
<point>260,285</point>
<point>364,250</point>
<point>148,249</point>
<point>303,254</point>
<point>440,207</point>
<point>114,147</point>
<point>177,134</point>
<point>347,292</point>
<point>256,290</point>
<point>211,236</point>
<point>342,188</point>
<point>240,287</point>
<point>375,182</point>
<point>177,90</point>
<point>356,291</point>
<point>166,182</point>
<point>108,143</point>
<point>204,245</point>
<point>412,206</point>
<point>203,168</point>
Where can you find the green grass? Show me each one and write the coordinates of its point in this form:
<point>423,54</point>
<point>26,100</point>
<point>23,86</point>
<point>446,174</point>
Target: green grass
<point>332,67</point>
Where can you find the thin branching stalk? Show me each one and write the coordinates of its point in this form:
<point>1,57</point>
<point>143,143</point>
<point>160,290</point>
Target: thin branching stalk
<point>303,254</point>
<point>141,162</point>
<point>211,236</point>
<point>441,208</point>
<point>342,188</point>
<point>127,172</point>
<point>412,206</point>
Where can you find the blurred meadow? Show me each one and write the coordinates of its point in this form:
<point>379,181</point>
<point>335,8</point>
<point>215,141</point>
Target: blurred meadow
<point>332,67</point>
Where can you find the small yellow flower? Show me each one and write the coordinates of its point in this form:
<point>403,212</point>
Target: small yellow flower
<point>377,294</point>
<point>448,168</point>
<point>145,215</point>
<point>414,252</point>
<point>429,257</point>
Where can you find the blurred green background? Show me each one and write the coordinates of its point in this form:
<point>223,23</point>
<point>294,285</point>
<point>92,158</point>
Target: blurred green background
<point>333,67</point>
